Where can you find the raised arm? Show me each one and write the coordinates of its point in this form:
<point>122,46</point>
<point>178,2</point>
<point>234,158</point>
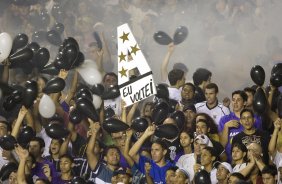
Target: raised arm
<point>131,113</point>
<point>23,155</point>
<point>164,72</point>
<point>133,152</point>
<point>72,89</point>
<point>5,74</point>
<point>92,158</point>
<point>128,159</point>
<point>273,141</point>
<point>19,121</point>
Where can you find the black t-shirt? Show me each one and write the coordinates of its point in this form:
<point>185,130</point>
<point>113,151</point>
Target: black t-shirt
<point>260,137</point>
<point>199,95</point>
<point>174,148</point>
<point>219,149</point>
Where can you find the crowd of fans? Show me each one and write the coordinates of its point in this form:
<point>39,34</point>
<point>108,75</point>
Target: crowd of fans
<point>216,142</point>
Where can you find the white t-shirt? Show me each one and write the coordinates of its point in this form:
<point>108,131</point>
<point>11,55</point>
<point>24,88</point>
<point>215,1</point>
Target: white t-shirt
<point>187,162</point>
<point>276,160</point>
<point>115,104</point>
<point>215,113</point>
<point>174,93</point>
<point>3,161</point>
<point>239,167</point>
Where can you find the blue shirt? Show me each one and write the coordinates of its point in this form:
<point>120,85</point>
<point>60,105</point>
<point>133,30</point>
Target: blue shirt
<point>157,173</point>
<point>234,131</point>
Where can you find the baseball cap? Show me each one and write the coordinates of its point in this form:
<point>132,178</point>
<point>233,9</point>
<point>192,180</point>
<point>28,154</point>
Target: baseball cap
<point>185,172</point>
<point>225,165</point>
<point>203,139</point>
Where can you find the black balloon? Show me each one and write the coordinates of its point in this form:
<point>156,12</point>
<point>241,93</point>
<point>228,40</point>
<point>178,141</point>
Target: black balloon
<point>84,92</point>
<point>98,40</point>
<point>140,124</point>
<point>41,58</point>
<point>180,35</point>
<point>168,131</point>
<point>162,91</point>
<point>87,108</point>
<point>260,101</point>
<point>7,169</point>
<point>57,12</point>
<point>70,54</point>
<point>172,105</point>
<point>79,60</point>
<point>276,79</point>
<point>109,112</point>
<point>202,177</point>
<point>56,130</point>
<point>97,89</point>
<point>113,125</point>
<point>30,93</point>
<point>39,36</point>
<point>55,85</point>
<point>179,118</point>
<point>25,135</point>
<point>50,69</point>
<point>5,88</point>
<point>78,180</point>
<point>162,38</point>
<point>20,56</point>
<point>59,27</point>
<point>19,41</point>
<point>7,142</point>
<point>44,19</point>
<point>111,93</point>
<point>54,37</point>
<point>33,46</point>
<point>9,103</point>
<point>258,75</point>
<point>160,113</point>
<point>75,117</point>
<point>70,41</point>
<point>277,68</point>
<point>17,95</point>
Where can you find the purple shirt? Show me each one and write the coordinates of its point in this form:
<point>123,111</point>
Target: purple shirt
<point>234,131</point>
<point>38,169</point>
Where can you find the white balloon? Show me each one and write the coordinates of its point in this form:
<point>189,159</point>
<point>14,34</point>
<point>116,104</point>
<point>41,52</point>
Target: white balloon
<point>6,43</point>
<point>89,63</point>
<point>97,101</point>
<point>47,107</point>
<point>90,75</point>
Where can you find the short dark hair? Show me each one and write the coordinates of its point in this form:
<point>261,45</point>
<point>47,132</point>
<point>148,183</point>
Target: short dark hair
<point>107,148</point>
<point>247,110</point>
<point>200,75</point>
<point>269,169</point>
<point>242,147</point>
<point>172,168</point>
<point>68,157</point>
<point>241,93</point>
<point>39,140</point>
<point>238,175</point>
<point>212,86</point>
<point>211,150</point>
<point>251,90</point>
<point>190,84</point>
<point>110,74</point>
<point>180,66</point>
<point>161,143</point>
<point>175,75</point>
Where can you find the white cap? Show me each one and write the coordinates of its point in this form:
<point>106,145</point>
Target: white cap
<point>185,172</point>
<point>203,139</point>
<point>226,165</point>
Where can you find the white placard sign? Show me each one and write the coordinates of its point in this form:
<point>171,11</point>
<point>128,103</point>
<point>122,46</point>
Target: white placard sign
<point>135,78</point>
